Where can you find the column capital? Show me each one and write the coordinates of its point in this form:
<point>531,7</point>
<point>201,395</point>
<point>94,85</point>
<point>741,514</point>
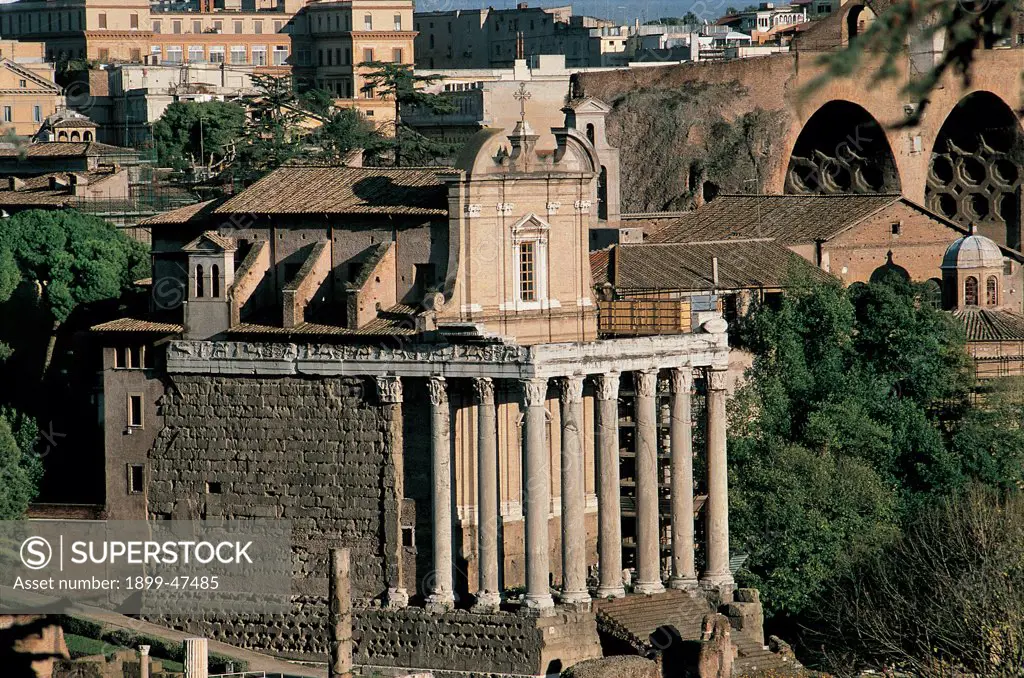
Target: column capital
<point>389,390</point>
<point>144,650</point>
<point>535,391</point>
<point>438,389</point>
<point>717,379</point>
<point>607,385</point>
<point>483,387</point>
<point>682,379</point>
<point>571,389</point>
<point>646,383</point>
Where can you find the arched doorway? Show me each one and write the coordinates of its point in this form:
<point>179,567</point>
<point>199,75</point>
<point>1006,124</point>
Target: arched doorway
<point>842,149</point>
<point>858,19</point>
<point>974,173</point>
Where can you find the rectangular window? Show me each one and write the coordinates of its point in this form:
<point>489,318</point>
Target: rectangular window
<point>37,113</point>
<point>216,54</point>
<point>156,27</point>
<point>218,26</point>
<point>135,411</point>
<point>257,27</point>
<point>237,27</point>
<point>196,53</point>
<point>896,227</point>
<point>259,55</point>
<point>197,26</point>
<point>176,26</point>
<point>133,22</point>
<point>238,54</point>
<point>103,20</point>
<point>174,54</point>
<point>368,54</point>
<point>368,92</point>
<point>135,55</point>
<point>8,114</point>
<point>368,22</point>
<point>527,272</point>
<point>398,22</point>
<point>104,54</point>
<point>337,55</point>
<point>278,25</point>
<point>280,55</point>
<point>396,55</point>
<point>135,479</point>
<point>23,84</point>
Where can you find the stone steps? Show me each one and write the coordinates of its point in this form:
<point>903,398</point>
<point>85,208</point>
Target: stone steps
<point>641,615</point>
<point>753,658</point>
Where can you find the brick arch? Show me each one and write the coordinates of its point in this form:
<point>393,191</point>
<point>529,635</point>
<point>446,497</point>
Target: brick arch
<point>975,166</point>
<point>842,148</point>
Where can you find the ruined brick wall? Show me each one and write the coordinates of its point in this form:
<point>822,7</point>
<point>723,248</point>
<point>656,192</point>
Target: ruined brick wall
<point>312,451</point>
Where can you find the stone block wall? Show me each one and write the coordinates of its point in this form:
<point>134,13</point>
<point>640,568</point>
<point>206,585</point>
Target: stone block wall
<point>317,452</point>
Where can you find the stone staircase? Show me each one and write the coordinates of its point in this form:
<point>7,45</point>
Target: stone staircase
<point>635,618</point>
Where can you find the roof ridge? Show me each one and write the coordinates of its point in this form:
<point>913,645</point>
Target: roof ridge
<point>724,241</point>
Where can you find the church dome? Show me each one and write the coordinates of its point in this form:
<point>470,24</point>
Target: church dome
<point>973,251</point>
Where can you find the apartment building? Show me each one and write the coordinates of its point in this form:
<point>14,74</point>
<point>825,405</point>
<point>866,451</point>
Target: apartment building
<point>28,93</point>
<point>495,38</point>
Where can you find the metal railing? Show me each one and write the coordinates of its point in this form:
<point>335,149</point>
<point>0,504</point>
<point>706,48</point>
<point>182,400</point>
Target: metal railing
<point>640,317</point>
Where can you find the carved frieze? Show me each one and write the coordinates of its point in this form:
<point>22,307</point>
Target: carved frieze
<point>203,351</point>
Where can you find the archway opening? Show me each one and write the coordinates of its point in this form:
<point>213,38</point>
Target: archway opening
<point>842,149</point>
<point>974,172</point>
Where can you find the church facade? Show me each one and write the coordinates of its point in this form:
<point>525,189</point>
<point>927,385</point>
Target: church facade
<point>407,363</point>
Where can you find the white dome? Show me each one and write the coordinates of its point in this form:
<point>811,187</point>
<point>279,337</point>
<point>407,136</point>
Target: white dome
<point>973,251</point>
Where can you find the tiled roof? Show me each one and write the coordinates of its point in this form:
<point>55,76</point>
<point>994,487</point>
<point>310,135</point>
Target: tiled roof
<point>138,325</point>
<point>344,190</point>
<point>742,264</point>
<point>788,219</point>
<point>599,260</point>
<point>62,149</point>
<point>185,214</point>
<point>987,325</point>
<point>37,191</point>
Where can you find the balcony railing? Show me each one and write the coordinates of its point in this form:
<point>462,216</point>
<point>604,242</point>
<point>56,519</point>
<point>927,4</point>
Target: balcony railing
<point>641,317</point>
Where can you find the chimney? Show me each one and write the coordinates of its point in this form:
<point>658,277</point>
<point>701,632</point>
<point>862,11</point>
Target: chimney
<point>714,271</point>
<point>15,184</point>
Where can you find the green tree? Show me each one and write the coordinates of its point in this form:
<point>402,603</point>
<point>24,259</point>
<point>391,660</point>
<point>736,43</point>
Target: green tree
<point>960,27</point>
<point>200,133</point>
<point>840,428</point>
<point>18,480</point>
<point>70,258</point>
<point>398,83</point>
<point>274,132</point>
<point>344,131</point>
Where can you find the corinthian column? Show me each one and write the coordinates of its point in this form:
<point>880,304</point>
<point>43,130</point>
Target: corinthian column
<point>488,597</point>
<point>609,501</point>
<point>441,594</point>
<point>574,529</point>
<point>684,573</point>
<point>717,575</point>
<point>536,495</point>
<point>389,394</point>
<point>648,556</point>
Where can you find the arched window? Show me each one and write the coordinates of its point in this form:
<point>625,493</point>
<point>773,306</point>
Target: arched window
<point>590,132</point>
<point>75,136</point>
<point>87,136</point>
<point>971,291</point>
<point>991,291</point>
<point>215,281</point>
<point>200,291</point>
<point>62,136</point>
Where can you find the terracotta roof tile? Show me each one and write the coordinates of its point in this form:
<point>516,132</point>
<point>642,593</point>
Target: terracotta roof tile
<point>988,325</point>
<point>742,264</point>
<point>789,219</point>
<point>344,190</point>
<point>138,325</point>
<point>63,149</point>
<point>183,215</point>
<point>599,265</point>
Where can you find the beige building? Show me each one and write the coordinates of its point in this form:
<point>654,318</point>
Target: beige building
<point>495,38</point>
<point>28,92</point>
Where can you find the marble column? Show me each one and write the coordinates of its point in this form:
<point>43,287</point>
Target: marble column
<point>648,556</point>
<point>609,498</point>
<point>441,588</point>
<point>389,395</point>
<point>684,572</point>
<point>197,665</point>
<point>574,528</point>
<point>536,494</point>
<point>143,661</point>
<point>717,575</point>
<point>488,597</point>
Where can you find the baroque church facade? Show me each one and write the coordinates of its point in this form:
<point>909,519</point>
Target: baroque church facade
<point>407,362</point>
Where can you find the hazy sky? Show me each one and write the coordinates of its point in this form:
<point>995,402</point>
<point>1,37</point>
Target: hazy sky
<point>620,10</point>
